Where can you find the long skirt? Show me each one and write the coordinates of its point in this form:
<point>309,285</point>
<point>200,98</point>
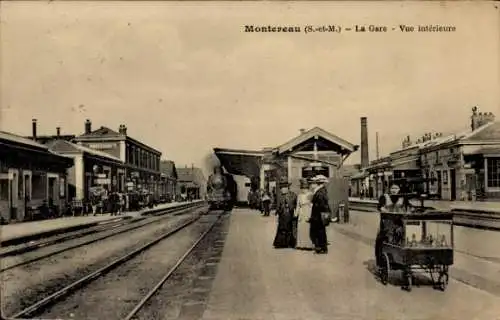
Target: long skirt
<point>303,235</point>
<point>285,237</point>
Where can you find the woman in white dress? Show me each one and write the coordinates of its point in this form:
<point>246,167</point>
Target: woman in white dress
<point>303,214</point>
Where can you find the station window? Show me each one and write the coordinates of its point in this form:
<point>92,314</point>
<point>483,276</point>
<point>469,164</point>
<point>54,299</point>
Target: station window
<point>493,172</point>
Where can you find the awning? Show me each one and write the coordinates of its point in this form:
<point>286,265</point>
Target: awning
<point>409,164</point>
<point>240,162</point>
<point>488,151</point>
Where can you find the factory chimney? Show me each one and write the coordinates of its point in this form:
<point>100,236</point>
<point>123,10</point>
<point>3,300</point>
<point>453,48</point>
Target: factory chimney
<point>58,130</point>
<point>33,128</point>
<point>365,161</point>
<point>88,126</point>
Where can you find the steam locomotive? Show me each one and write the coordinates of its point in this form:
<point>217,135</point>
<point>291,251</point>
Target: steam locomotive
<point>221,191</point>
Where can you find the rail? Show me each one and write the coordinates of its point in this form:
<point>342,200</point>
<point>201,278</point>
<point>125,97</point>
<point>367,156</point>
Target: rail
<point>148,296</point>
<point>52,298</point>
<point>34,246</point>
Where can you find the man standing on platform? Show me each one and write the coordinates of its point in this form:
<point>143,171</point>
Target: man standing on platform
<point>287,227</point>
<point>320,214</point>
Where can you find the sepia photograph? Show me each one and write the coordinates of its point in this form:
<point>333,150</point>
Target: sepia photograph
<point>250,160</point>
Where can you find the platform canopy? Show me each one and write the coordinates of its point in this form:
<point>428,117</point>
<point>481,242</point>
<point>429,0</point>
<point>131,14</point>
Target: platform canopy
<point>240,162</point>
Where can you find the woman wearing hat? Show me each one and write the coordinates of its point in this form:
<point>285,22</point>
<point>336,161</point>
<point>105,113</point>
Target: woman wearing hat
<point>303,214</point>
<point>285,237</point>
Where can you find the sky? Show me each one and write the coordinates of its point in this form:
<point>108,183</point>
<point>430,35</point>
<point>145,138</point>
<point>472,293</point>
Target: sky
<point>185,77</point>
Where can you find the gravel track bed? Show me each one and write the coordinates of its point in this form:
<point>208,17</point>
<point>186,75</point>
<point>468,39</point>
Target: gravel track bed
<point>116,293</point>
<point>27,284</point>
<point>185,294</point>
<point>68,244</point>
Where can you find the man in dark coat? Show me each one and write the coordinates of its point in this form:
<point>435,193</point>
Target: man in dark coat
<point>286,232</point>
<point>320,214</point>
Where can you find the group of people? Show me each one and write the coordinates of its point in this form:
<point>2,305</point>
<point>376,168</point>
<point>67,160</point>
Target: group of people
<point>302,219</point>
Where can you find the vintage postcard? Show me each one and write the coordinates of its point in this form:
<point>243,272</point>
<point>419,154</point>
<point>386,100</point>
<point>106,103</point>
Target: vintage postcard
<point>251,160</point>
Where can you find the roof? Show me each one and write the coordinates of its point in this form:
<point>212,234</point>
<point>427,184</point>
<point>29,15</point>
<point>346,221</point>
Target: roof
<point>492,151</point>
<point>240,162</point>
<point>489,132</point>
<point>167,167</point>
<point>21,140</point>
<point>317,131</point>
<point>105,133</point>
<point>63,146</point>
<point>239,152</point>
<point>101,132</point>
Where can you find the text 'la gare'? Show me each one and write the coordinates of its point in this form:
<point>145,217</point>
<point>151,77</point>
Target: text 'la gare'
<point>370,28</point>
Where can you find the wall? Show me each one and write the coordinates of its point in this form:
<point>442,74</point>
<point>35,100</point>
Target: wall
<point>110,147</point>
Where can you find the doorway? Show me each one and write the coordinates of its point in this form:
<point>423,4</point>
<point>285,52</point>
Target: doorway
<point>453,185</point>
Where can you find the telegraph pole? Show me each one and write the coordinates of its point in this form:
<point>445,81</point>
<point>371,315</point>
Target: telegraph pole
<point>376,144</point>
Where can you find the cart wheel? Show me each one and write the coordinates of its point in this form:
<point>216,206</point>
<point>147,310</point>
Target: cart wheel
<point>384,269</point>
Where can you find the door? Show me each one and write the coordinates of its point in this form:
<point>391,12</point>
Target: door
<point>453,185</point>
<point>439,184</point>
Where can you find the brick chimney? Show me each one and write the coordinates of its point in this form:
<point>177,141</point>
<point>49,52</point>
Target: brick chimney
<point>33,128</point>
<point>58,129</point>
<point>302,131</point>
<point>88,126</point>
<point>122,129</point>
<point>480,119</point>
<point>365,160</point>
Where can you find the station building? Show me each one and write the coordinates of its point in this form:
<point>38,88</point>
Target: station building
<point>312,152</point>
<point>91,168</point>
<point>141,162</point>
<point>30,175</point>
<point>460,166</point>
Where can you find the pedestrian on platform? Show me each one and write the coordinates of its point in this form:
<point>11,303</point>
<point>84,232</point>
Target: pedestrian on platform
<point>285,211</point>
<point>320,214</point>
<point>303,215</point>
<point>266,203</point>
<point>394,202</point>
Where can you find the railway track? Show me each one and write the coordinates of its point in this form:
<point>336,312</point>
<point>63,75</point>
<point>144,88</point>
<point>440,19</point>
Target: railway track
<point>477,220</point>
<point>141,261</point>
<point>20,256</point>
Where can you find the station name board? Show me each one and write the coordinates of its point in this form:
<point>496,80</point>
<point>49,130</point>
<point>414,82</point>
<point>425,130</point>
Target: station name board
<point>102,146</point>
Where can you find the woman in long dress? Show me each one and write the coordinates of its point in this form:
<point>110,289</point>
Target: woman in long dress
<point>303,214</point>
<point>285,237</point>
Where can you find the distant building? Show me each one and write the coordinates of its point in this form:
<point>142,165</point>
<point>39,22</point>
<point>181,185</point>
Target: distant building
<point>142,162</point>
<point>191,181</point>
<point>85,173</point>
<point>169,179</point>
<point>30,175</point>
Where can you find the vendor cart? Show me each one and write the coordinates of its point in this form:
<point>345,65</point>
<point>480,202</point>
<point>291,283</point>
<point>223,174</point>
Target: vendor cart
<point>417,242</point>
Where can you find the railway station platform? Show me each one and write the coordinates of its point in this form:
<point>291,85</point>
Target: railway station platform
<point>255,281</point>
<point>24,230</point>
<point>489,206</point>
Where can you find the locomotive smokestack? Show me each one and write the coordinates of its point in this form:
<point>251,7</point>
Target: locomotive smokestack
<point>365,160</point>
